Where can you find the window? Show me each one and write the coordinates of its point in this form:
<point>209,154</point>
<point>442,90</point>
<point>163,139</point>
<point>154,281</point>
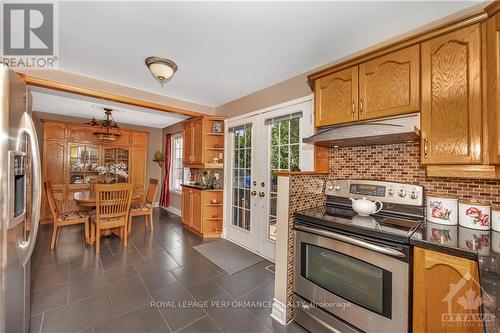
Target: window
<point>176,169</point>
<point>285,145</point>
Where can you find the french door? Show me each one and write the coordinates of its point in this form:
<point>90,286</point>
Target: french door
<point>256,147</point>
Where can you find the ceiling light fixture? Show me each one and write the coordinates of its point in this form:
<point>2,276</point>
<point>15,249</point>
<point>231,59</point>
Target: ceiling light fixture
<point>161,69</point>
<point>105,126</point>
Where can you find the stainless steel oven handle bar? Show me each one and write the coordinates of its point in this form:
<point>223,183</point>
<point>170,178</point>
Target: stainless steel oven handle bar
<point>307,309</point>
<point>353,241</point>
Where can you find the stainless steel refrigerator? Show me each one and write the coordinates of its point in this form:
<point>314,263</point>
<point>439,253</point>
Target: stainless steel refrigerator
<point>20,195</point>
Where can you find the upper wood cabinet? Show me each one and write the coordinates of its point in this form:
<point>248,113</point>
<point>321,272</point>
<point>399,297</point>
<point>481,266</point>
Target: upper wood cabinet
<point>197,149</point>
<point>54,131</point>
<point>336,97</point>
<point>451,98</point>
<point>439,282</point>
<point>493,88</point>
<point>193,143</point>
<point>201,144</point>
<point>389,85</point>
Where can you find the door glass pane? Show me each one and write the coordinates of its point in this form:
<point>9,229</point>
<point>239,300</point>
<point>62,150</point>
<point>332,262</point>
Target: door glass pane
<point>284,156</point>
<point>352,279</point>
<point>241,174</point>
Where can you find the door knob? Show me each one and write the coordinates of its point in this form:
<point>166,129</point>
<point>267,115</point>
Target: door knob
<point>262,194</point>
<point>253,192</point>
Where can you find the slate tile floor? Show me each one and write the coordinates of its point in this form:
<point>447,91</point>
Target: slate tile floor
<point>74,290</point>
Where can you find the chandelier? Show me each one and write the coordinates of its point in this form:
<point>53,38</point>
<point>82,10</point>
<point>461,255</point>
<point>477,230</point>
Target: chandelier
<point>106,126</point>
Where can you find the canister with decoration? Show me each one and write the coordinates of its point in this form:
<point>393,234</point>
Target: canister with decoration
<point>474,214</point>
<point>442,209</point>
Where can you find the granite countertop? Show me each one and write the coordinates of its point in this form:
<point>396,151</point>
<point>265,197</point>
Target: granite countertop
<point>482,246</point>
<point>201,187</point>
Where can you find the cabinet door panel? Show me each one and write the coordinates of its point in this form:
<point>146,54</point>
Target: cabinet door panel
<point>54,157</point>
<point>197,143</point>
<point>187,139</point>
<point>196,210</point>
<point>54,131</point>
<point>451,98</point>
<point>336,98</point>
<point>137,171</point>
<point>82,134</point>
<point>185,209</point>
<point>139,139</point>
<point>442,285</point>
<point>493,72</point>
<point>389,85</point>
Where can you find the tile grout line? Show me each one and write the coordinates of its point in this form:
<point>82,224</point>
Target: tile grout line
<point>151,296</point>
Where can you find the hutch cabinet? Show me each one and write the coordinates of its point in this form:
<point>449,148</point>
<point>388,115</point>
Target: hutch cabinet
<point>71,154</point>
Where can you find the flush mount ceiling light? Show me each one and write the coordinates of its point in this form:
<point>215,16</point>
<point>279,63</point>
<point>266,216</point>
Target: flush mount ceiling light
<point>161,69</point>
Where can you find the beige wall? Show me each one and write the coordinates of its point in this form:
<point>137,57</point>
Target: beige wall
<point>284,91</point>
<point>175,198</point>
<point>154,139</point>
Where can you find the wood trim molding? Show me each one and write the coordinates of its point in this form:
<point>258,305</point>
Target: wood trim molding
<point>464,171</point>
<point>43,83</point>
<point>478,15</point>
<point>56,121</point>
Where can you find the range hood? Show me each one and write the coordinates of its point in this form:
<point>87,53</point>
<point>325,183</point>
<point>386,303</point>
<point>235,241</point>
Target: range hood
<point>367,133</point>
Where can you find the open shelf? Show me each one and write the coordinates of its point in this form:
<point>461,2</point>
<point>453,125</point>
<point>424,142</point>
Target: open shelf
<point>215,134</point>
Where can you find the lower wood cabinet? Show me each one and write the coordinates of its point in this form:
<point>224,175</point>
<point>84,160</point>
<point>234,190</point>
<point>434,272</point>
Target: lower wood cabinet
<point>202,211</point>
<point>444,285</point>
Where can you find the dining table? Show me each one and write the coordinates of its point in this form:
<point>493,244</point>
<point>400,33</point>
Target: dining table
<point>87,198</point>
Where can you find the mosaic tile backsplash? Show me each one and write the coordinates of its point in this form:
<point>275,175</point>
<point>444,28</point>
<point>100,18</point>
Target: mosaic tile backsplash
<point>401,163</point>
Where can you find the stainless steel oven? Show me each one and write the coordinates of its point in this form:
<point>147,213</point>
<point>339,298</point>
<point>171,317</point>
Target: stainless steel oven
<point>363,283</point>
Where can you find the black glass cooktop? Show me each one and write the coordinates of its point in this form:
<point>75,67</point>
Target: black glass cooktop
<point>384,226</point>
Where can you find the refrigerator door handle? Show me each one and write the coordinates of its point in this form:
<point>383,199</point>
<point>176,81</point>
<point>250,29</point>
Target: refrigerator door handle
<point>30,131</point>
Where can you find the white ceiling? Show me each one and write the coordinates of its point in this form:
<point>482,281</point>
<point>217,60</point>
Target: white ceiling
<point>226,50</point>
<point>55,102</point>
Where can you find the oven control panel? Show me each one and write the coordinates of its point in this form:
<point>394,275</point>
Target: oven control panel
<point>392,192</point>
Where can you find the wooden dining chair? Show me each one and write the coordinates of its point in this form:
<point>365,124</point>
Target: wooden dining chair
<point>112,211</point>
<point>146,208</point>
<point>63,219</point>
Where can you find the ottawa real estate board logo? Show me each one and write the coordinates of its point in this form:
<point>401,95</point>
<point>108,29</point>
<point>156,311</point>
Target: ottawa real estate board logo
<point>29,35</point>
<point>467,305</point>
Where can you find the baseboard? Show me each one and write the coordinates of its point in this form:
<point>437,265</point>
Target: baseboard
<point>173,210</point>
<point>279,312</point>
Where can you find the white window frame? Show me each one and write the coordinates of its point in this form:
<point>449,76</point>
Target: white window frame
<point>176,136</point>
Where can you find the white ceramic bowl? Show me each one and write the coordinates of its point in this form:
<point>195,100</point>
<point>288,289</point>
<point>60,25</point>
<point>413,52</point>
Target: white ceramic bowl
<point>474,214</point>
<point>442,209</point>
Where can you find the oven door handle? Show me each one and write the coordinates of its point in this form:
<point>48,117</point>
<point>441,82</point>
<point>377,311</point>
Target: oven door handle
<point>351,240</point>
